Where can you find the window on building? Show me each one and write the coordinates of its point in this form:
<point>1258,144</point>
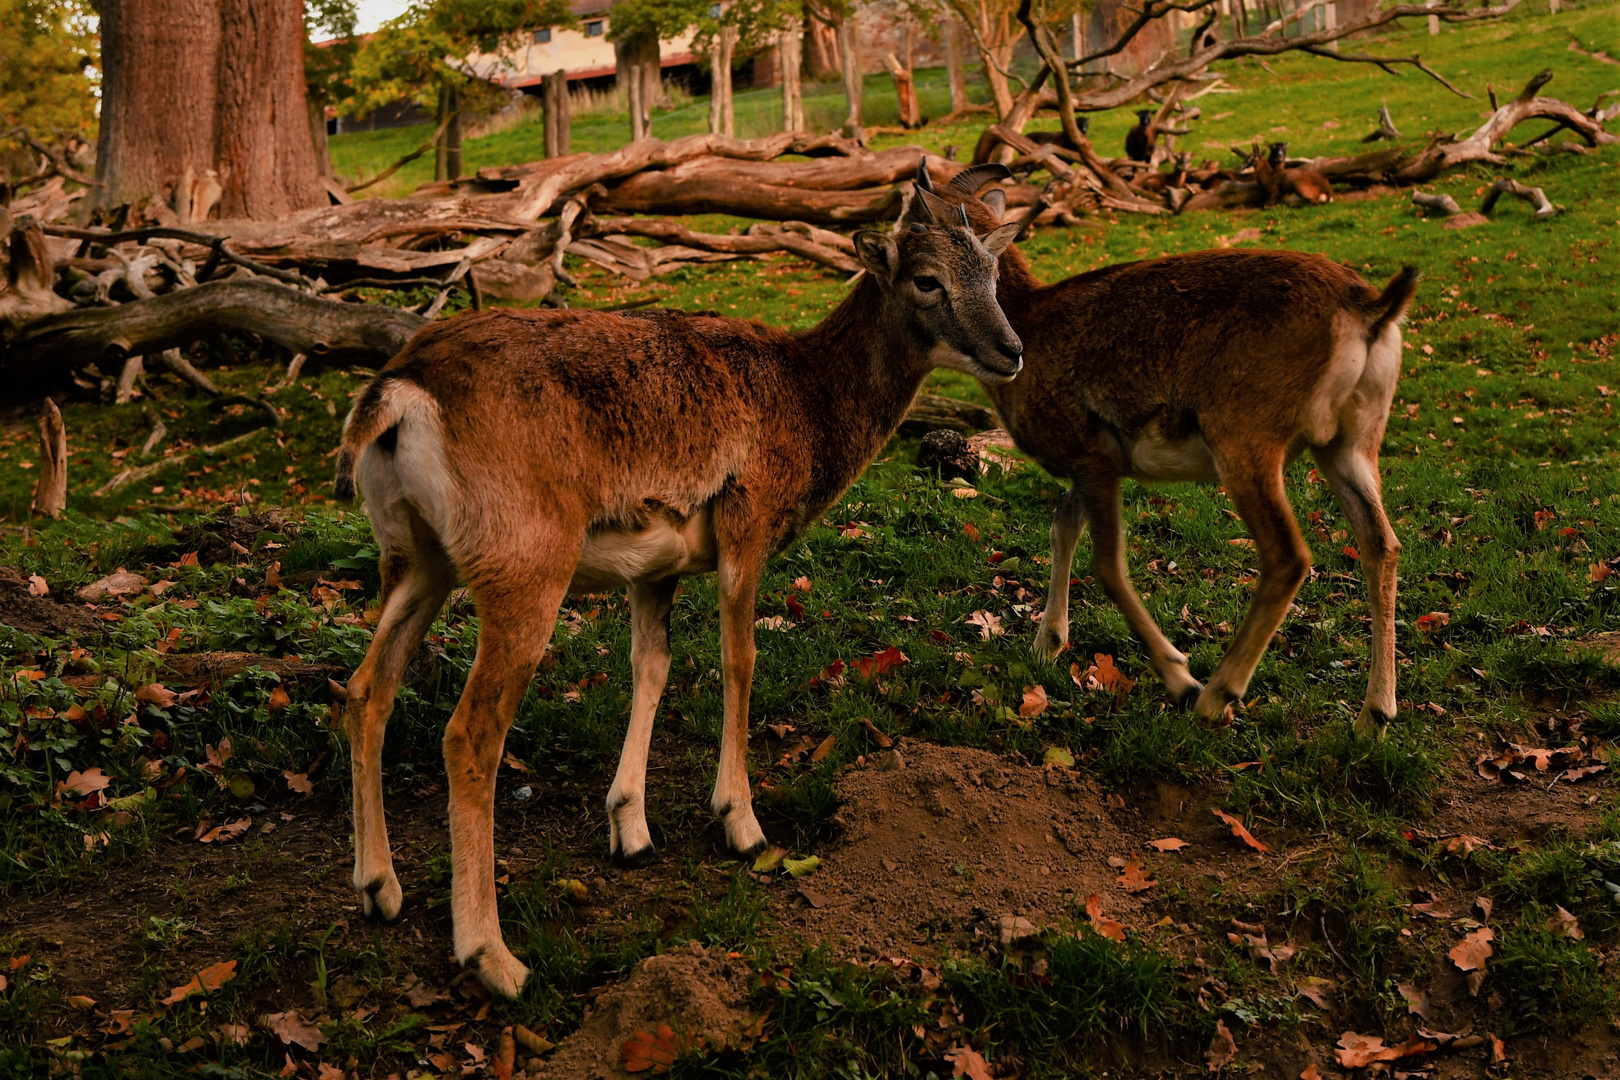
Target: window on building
<point>594,28</point>
<point>542,37</point>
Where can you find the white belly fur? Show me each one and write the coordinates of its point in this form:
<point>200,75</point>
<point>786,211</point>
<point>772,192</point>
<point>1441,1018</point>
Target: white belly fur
<point>611,560</point>
<point>1153,457</point>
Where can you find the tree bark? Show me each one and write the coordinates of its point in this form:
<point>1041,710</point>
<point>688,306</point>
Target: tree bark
<point>905,92</point>
<point>206,85</point>
<point>50,489</point>
<point>317,137</point>
<point>821,49</point>
<point>854,83</point>
<point>790,56</point>
<point>557,101</point>
<point>722,119</point>
<point>953,63</point>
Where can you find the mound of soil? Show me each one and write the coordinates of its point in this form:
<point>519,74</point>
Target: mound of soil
<point>214,539</point>
<point>941,843</point>
<point>693,993</point>
<point>41,614</point>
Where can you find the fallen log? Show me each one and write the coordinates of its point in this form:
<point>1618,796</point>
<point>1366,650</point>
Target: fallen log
<point>1444,203</point>
<point>751,244</point>
<point>1545,207</point>
<point>45,351</point>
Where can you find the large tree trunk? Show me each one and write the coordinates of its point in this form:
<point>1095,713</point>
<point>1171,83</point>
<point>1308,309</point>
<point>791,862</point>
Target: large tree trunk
<point>722,119</point>
<point>206,85</point>
<point>790,56</point>
<point>854,85</point>
<point>953,63</point>
<point>821,49</point>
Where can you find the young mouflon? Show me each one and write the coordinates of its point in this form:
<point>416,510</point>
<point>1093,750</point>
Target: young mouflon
<point>1217,366</point>
<point>534,454</point>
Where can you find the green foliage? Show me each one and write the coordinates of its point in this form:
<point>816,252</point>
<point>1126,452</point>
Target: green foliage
<point>328,66</point>
<point>48,53</point>
<point>1551,983</point>
<point>427,46</point>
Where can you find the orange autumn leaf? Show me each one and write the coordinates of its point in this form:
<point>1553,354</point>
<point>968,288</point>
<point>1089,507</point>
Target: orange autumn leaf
<point>1112,929</point>
<point>278,699</point>
<point>645,1051</point>
<point>966,1061</point>
<point>1238,830</point>
<point>207,980</point>
<point>225,833</point>
<point>297,781</point>
<point>37,586</point>
<point>1034,703</point>
<point>876,734</point>
<point>1133,879</point>
<point>1169,843</point>
<point>1222,1048</point>
<point>1471,953</point>
<point>1103,675</point>
<point>824,748</point>
<point>156,694</point>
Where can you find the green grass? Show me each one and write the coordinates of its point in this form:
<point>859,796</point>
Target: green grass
<point>1499,471</point>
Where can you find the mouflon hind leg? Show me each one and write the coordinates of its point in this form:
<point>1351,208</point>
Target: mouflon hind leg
<point>1352,472</point>
<point>416,585</point>
<point>1254,481</point>
<point>629,841</point>
<point>517,617</point>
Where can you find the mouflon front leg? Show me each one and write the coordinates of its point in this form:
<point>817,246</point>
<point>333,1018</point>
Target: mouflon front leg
<point>1068,522</point>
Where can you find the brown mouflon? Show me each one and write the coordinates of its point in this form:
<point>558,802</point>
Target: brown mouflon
<point>535,454</point>
<point>1217,366</point>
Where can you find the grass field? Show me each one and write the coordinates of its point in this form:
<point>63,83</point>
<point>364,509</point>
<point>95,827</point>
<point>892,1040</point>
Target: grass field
<point>1499,471</point>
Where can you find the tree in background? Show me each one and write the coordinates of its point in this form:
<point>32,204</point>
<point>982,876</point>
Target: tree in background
<point>740,29</point>
<point>328,66</point>
<point>48,56</point>
<point>636,27</point>
<point>203,103</point>
<point>422,56</point>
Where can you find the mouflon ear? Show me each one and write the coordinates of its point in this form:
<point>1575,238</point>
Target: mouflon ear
<point>996,200</point>
<point>877,252</point>
<point>1001,239</point>
<point>971,179</point>
<point>923,181</point>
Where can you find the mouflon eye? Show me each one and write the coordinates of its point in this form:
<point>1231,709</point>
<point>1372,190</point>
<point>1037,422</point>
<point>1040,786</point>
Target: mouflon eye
<point>925,283</point>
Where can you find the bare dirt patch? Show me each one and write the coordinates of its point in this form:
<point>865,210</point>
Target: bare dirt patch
<point>41,614</point>
<point>943,842</point>
<point>701,997</point>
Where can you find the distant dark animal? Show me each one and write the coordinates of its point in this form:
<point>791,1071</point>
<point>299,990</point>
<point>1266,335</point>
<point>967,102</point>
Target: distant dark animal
<point>1139,140</point>
<point>1060,137</point>
<point>1282,184</point>
<point>1156,182</point>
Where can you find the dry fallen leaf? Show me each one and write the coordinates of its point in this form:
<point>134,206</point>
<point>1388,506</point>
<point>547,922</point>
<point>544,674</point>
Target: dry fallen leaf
<point>1310,1073</point>
<point>1472,952</point>
<point>1564,925</point>
<point>534,1044</point>
<point>876,734</point>
<point>1222,1048</point>
<point>83,783</point>
<point>278,699</point>
<point>646,1050</point>
<point>209,979</point>
<point>824,748</point>
<point>1169,843</point>
<point>1417,1002</point>
<point>37,586</point>
<point>1316,989</point>
<point>1112,929</point>
<point>293,1030</point>
<point>1034,703</point>
<point>1498,1051</point>
<point>1359,1051</point>
<point>1238,830</point>
<point>989,625</point>
<point>1103,675</point>
<point>297,781</point>
<point>967,1062</point>
<point>1133,879</point>
<point>225,833</point>
<point>156,694</point>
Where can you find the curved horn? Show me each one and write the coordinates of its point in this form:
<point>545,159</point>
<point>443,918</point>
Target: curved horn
<point>961,208</point>
<point>971,179</point>
<point>923,181</point>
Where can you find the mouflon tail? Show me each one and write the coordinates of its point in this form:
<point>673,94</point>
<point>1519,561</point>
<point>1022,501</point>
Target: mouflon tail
<point>381,406</point>
<point>1392,304</point>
